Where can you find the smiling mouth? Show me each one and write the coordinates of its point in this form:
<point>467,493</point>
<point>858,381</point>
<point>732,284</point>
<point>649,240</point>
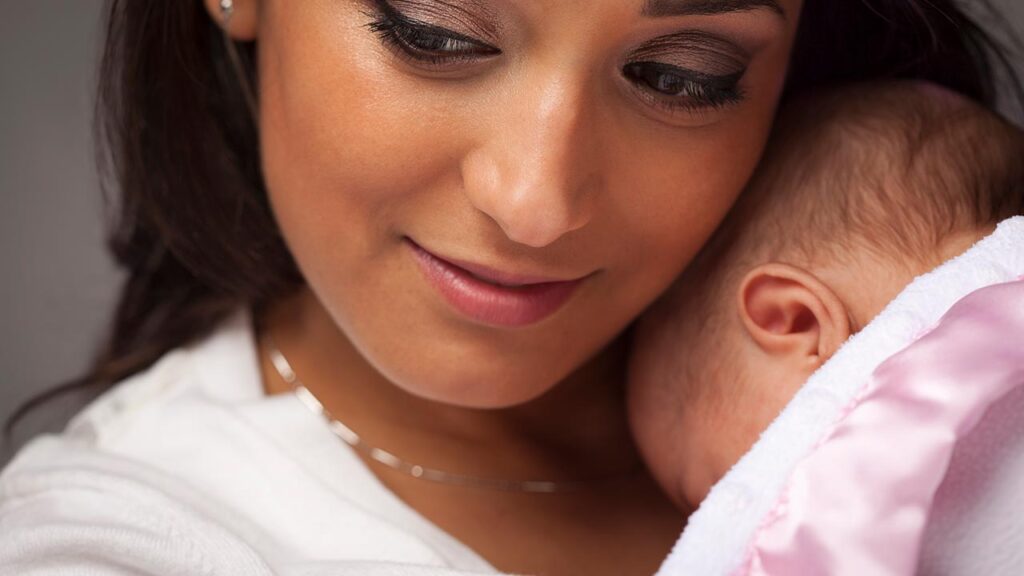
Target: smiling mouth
<point>492,297</point>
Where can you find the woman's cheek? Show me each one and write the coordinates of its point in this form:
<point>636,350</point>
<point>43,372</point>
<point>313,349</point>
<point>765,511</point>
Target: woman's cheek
<point>677,183</point>
<point>344,138</point>
<point>665,214</point>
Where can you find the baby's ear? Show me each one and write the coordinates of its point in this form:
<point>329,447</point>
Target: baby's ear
<point>791,314</point>
<point>244,21</point>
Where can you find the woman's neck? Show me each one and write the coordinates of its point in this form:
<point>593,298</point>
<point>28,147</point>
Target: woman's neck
<point>620,523</point>
<point>576,431</point>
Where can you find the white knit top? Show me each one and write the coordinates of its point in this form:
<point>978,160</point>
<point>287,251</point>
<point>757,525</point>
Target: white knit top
<point>189,468</point>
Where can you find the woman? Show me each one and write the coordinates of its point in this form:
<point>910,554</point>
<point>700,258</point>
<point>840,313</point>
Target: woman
<point>433,219</point>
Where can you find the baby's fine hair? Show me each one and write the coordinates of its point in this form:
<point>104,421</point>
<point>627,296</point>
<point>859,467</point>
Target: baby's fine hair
<point>895,168</point>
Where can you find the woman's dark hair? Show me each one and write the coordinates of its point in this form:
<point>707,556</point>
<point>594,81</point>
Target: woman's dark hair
<point>191,225</point>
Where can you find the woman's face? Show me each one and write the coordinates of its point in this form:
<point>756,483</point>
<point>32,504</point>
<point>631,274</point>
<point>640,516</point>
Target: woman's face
<point>484,193</point>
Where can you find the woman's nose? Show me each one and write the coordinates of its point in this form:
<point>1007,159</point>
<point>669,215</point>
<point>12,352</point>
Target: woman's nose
<point>533,174</point>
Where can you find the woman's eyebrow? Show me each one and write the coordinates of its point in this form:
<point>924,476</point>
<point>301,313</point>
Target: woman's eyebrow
<point>660,8</point>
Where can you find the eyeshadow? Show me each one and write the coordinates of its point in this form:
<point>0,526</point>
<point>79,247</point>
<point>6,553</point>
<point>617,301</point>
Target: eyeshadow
<point>709,53</point>
<point>471,17</point>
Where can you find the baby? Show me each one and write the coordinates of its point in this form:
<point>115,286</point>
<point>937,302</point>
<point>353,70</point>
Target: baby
<point>860,191</point>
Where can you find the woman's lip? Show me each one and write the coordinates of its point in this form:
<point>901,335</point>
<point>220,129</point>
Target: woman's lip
<point>502,278</point>
<point>493,297</point>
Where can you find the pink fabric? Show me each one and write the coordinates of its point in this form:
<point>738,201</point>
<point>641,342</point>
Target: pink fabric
<point>858,504</point>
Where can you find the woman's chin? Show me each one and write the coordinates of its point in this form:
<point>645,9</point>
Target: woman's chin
<point>480,385</point>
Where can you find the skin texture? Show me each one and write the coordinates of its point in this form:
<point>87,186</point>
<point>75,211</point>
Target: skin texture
<point>786,321</point>
<point>540,159</point>
<point>724,351</point>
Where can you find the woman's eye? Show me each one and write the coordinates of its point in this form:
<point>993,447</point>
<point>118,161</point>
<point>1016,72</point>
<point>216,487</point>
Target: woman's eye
<point>673,87</point>
<point>423,42</point>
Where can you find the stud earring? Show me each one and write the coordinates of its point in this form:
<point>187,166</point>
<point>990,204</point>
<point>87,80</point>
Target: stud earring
<point>227,8</point>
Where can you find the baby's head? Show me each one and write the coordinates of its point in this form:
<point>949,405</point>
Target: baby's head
<point>861,190</point>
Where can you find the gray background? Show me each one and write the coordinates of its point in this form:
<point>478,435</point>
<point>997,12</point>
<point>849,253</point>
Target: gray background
<point>58,285</point>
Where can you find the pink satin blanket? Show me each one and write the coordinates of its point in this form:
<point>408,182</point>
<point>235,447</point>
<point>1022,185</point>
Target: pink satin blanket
<point>859,502</point>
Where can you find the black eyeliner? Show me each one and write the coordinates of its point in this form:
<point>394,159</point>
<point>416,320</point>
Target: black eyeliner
<point>698,91</point>
<point>689,70</point>
<point>718,82</point>
<point>389,19</point>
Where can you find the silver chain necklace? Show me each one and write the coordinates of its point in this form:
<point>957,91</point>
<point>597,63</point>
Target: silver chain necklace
<point>350,437</point>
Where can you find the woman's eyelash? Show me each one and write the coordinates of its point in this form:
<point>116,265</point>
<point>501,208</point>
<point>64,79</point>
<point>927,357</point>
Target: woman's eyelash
<point>661,85</point>
<point>675,88</point>
<point>424,42</point>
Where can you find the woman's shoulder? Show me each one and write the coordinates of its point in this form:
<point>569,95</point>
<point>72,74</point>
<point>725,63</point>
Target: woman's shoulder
<point>95,495</point>
<point>66,508</point>
<point>218,369</point>
<point>69,508</point>
<point>193,446</point>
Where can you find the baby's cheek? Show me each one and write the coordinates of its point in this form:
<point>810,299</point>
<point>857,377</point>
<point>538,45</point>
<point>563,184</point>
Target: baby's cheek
<point>740,419</point>
<point>656,429</point>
